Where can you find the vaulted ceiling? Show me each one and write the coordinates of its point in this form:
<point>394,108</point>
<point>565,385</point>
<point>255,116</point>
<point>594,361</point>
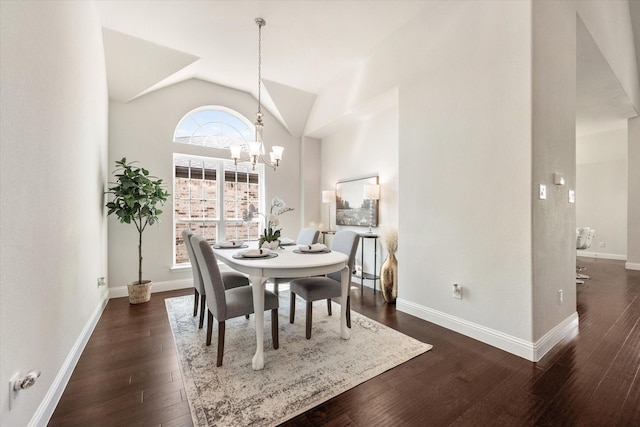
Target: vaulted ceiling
<point>305,45</point>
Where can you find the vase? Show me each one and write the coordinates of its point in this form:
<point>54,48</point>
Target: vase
<point>274,244</point>
<point>389,278</point>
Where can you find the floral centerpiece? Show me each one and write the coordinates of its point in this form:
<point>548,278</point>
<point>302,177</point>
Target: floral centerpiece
<point>270,237</point>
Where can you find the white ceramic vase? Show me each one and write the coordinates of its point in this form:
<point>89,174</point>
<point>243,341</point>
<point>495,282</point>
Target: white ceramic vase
<point>271,245</point>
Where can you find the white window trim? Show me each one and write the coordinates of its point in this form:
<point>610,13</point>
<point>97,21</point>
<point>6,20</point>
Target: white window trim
<point>220,220</point>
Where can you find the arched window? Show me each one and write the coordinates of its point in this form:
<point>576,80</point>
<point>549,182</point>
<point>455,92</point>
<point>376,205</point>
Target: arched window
<point>211,195</point>
<point>214,127</point>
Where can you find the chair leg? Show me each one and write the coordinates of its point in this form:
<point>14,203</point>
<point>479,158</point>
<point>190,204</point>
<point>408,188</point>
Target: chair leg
<point>349,311</point>
<point>274,328</point>
<point>292,307</point>
<point>309,317</point>
<point>329,306</point>
<point>220,343</point>
<point>195,301</point>
<point>203,306</point>
<point>209,326</point>
<point>275,286</point>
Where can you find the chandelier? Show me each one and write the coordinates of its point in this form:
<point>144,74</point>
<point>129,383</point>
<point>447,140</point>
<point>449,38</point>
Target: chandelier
<point>256,148</point>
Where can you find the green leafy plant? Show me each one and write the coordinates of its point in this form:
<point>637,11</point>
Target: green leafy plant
<point>137,196</point>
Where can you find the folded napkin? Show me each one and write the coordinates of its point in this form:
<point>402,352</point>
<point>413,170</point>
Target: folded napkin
<point>255,253</point>
<point>316,247</point>
<point>286,241</point>
<point>230,243</point>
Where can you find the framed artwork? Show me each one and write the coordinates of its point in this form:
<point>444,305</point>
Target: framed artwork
<point>351,206</point>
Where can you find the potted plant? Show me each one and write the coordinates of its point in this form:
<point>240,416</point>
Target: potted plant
<point>270,237</point>
<point>137,196</point>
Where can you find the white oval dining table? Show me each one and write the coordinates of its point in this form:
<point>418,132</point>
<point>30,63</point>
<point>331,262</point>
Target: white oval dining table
<point>288,264</point>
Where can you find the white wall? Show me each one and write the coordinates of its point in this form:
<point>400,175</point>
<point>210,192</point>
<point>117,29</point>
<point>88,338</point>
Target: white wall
<point>601,186</point>
<point>53,127</point>
<point>365,148</point>
<point>143,129</point>
<point>465,173</point>
<point>310,154</point>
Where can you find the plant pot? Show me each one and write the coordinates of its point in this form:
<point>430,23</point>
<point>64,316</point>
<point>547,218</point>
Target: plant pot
<point>139,293</point>
<point>271,245</point>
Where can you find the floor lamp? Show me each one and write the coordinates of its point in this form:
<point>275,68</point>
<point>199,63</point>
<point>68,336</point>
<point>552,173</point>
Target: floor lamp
<point>371,193</point>
<point>328,196</point>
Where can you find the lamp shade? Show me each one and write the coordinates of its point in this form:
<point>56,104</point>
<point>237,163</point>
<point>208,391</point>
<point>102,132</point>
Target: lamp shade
<point>328,196</point>
<point>235,151</point>
<point>371,191</point>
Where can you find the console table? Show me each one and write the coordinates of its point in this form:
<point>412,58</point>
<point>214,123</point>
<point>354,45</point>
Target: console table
<point>369,276</point>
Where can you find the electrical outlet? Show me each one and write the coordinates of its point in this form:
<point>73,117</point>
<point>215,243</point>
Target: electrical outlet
<point>457,291</point>
<point>102,281</point>
<point>560,296</point>
<point>543,192</point>
<point>602,244</point>
<point>572,196</point>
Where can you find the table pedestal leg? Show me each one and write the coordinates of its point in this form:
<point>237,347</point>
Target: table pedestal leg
<point>257,283</point>
<point>346,284</point>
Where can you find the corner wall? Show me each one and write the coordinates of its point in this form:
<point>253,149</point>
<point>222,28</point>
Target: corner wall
<point>633,215</point>
<point>53,133</point>
<point>365,148</point>
<point>553,149</point>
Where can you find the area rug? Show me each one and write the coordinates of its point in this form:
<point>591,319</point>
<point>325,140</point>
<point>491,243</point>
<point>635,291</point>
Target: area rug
<point>299,375</point>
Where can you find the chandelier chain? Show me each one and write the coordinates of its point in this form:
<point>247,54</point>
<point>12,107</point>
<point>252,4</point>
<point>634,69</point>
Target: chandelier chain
<point>260,24</point>
<point>256,148</point>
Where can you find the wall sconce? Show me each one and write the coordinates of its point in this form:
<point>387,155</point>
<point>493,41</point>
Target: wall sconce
<point>558,179</point>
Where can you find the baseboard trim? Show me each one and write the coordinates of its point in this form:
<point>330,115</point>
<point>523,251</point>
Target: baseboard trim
<point>562,330</point>
<point>632,266</point>
<point>619,257</point>
<point>522,348</point>
<point>169,285</point>
<point>48,405</point>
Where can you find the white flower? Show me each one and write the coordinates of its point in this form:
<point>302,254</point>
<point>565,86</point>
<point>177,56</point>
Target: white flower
<point>278,206</point>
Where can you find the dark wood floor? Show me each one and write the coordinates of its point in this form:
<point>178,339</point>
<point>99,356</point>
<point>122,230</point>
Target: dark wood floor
<point>128,374</point>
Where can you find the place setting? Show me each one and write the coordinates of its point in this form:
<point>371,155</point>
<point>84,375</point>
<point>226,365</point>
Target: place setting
<point>230,244</point>
<point>285,241</point>
<point>255,254</point>
<point>316,248</point>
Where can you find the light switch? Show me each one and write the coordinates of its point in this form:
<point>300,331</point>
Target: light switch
<point>572,196</point>
<point>543,192</point>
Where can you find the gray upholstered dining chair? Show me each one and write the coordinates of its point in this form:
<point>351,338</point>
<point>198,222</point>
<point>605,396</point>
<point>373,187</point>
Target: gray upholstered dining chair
<point>325,287</point>
<point>306,236</point>
<point>224,303</point>
<point>231,279</point>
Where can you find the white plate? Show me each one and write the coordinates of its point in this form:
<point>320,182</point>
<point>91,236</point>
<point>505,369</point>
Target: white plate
<point>317,247</point>
<point>231,244</point>
<point>255,253</point>
<point>286,242</point>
